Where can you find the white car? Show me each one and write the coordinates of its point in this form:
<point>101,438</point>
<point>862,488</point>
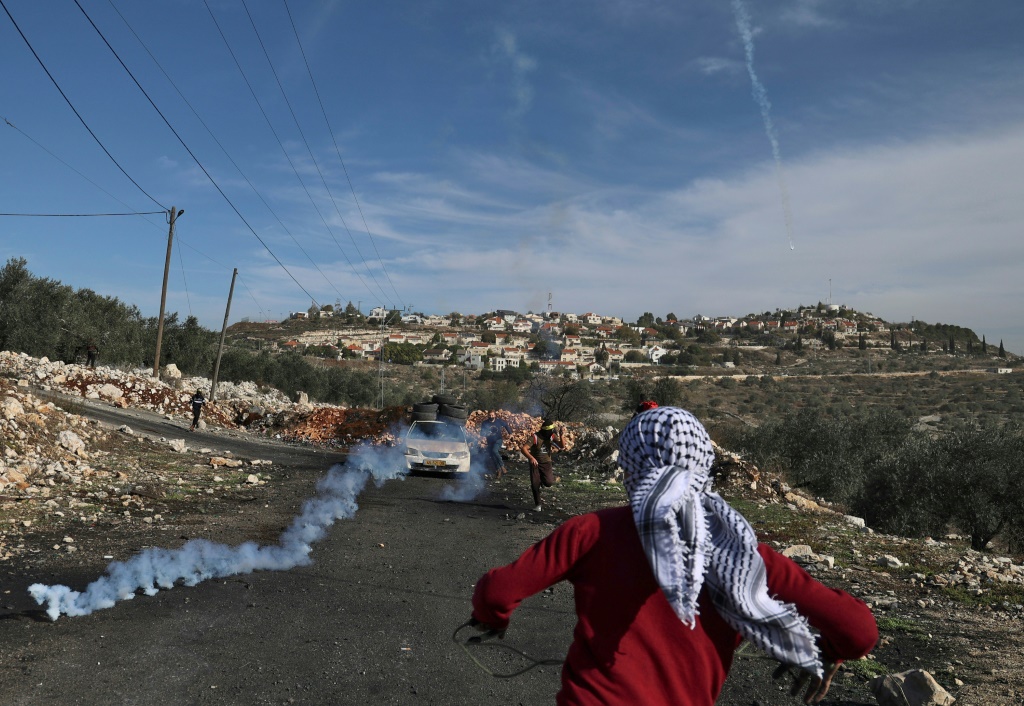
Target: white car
<point>438,447</point>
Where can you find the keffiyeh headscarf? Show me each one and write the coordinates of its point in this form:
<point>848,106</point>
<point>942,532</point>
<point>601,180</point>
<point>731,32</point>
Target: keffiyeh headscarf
<point>693,538</point>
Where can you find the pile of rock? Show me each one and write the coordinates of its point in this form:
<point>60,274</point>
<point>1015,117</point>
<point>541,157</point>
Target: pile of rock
<point>977,572</point>
<point>242,392</point>
<point>45,464</point>
<point>41,446</point>
<point>123,389</point>
<point>523,428</point>
<point>327,425</point>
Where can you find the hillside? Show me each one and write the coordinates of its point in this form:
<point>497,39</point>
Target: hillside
<point>76,491</point>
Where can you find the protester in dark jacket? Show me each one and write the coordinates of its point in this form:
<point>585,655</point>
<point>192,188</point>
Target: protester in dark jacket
<point>543,444</point>
<point>198,400</point>
<point>493,431</point>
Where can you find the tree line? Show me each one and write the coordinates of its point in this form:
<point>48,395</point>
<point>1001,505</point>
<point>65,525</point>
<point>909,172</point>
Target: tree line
<point>45,318</point>
<point>901,480</point>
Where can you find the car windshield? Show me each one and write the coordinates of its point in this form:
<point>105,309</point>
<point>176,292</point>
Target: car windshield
<point>437,431</point>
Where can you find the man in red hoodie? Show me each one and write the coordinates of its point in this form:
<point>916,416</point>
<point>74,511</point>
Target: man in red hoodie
<point>668,587</point>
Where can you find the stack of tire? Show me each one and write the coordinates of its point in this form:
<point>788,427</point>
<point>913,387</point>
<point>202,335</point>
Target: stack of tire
<point>424,412</point>
<point>449,410</point>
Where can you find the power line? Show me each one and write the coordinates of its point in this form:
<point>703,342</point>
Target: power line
<point>79,215</point>
<point>76,171</point>
<point>188,299</point>
<point>219,144</point>
<point>280,143</point>
<point>312,157</point>
<point>192,154</point>
<point>253,298</point>
<point>337,150</point>
<point>181,241</point>
<point>72,106</point>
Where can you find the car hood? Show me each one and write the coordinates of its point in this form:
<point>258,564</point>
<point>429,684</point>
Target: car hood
<point>437,445</point>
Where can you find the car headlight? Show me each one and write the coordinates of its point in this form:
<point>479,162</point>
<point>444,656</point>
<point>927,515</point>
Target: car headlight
<point>460,454</point>
<point>410,451</point>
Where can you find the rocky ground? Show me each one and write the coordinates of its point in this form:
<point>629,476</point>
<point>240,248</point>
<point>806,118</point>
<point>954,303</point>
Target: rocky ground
<point>72,490</point>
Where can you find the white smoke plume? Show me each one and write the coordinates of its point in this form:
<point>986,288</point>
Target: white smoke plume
<point>468,487</point>
<point>761,96</point>
<point>154,569</point>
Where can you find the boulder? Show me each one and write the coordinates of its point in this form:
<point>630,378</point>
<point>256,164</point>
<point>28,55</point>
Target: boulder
<point>110,392</point>
<point>912,688</point>
<point>798,551</point>
<point>71,441</point>
<point>11,408</point>
<point>889,562</point>
<point>805,556</point>
<point>178,445</point>
<point>217,461</point>
<point>804,503</point>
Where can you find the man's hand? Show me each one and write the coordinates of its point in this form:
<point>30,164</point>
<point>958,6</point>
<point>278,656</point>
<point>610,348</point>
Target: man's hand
<point>484,628</point>
<point>816,687</point>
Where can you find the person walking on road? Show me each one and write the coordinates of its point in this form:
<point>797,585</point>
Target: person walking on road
<point>544,443</point>
<point>493,431</point>
<point>198,400</point>
<point>667,587</point>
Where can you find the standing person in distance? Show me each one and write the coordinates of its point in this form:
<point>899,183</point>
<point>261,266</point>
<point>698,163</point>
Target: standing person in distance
<point>667,587</point>
<point>493,431</point>
<point>198,400</point>
<point>545,442</point>
<point>91,351</point>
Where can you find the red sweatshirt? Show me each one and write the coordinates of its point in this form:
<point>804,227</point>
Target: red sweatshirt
<point>628,645</point>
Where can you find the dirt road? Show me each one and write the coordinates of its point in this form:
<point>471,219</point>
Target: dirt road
<point>369,622</point>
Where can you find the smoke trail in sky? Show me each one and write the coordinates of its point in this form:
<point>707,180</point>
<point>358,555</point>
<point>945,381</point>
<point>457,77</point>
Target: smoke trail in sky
<point>200,559</point>
<point>761,96</point>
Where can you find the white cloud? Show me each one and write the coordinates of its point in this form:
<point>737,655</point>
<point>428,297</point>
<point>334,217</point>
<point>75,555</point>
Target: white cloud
<point>507,48</point>
<point>927,229</point>
<point>710,65</point>
<point>808,13</point>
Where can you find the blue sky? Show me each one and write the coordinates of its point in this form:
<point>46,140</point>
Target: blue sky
<point>610,152</point>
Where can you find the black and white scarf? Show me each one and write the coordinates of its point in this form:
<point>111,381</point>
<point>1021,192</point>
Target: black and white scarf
<point>693,538</point>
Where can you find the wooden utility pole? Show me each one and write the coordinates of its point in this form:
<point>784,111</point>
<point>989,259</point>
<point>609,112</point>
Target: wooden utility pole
<point>172,216</point>
<point>223,332</point>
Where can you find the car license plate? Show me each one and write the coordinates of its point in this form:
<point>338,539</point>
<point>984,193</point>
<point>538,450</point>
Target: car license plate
<point>433,462</point>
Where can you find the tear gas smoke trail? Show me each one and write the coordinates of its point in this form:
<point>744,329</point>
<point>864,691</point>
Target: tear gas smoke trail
<point>200,559</point>
<point>761,96</point>
<point>468,486</point>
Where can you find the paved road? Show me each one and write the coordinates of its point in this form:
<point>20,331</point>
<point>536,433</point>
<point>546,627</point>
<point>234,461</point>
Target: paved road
<point>368,622</point>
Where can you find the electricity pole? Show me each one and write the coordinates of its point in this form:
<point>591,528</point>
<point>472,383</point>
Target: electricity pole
<point>172,216</point>
<point>223,331</point>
